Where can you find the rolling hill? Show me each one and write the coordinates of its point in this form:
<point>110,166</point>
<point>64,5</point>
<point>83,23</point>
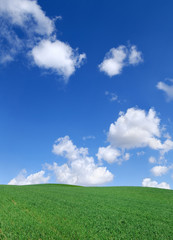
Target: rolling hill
<point>54,211</point>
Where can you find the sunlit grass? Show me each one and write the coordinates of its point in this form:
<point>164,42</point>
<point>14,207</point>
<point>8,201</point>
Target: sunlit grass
<point>68,212</point>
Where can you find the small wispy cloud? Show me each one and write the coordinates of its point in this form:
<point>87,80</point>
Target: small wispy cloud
<point>152,160</point>
<point>89,137</point>
<point>112,96</point>
<point>167,89</point>
<point>141,153</point>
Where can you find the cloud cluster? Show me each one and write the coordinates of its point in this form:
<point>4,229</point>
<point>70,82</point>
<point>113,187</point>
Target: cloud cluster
<point>119,57</point>
<point>134,129</point>
<point>80,168</point>
<point>23,179</point>
<point>46,51</point>
<point>147,182</point>
<point>39,39</point>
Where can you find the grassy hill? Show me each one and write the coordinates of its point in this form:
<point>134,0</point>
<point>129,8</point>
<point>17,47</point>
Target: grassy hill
<point>68,212</point>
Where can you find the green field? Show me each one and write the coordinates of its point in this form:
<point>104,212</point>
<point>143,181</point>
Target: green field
<point>68,212</point>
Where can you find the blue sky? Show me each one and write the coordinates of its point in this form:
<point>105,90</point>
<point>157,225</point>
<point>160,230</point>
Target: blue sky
<point>86,90</point>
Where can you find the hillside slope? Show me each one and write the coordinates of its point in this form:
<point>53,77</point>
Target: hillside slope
<point>68,212</point>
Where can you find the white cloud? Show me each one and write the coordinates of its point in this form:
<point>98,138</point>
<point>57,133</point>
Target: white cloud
<point>117,58</point>
<point>26,12</point>
<point>159,170</point>
<point>80,168</point>
<point>65,147</point>
<point>108,154</point>
<point>136,128</point>
<point>168,89</point>
<point>135,56</point>
<point>57,56</point>
<point>36,178</point>
<point>147,182</point>
<point>114,61</point>
<point>152,160</point>
<point>166,146</point>
<point>112,155</point>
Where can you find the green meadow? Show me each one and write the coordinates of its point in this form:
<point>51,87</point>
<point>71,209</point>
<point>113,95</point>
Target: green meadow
<point>55,211</point>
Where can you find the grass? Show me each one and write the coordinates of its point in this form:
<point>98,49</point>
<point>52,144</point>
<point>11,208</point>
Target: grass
<point>68,212</point>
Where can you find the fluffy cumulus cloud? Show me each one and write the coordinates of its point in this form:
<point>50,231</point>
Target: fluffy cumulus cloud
<point>167,89</point>
<point>159,170</point>
<point>135,129</point>
<point>111,154</point>
<point>80,168</point>
<point>119,57</point>
<point>114,61</point>
<point>58,56</point>
<point>23,179</point>
<point>108,154</point>
<point>39,38</point>
<point>147,182</point>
